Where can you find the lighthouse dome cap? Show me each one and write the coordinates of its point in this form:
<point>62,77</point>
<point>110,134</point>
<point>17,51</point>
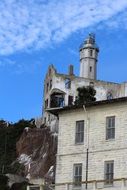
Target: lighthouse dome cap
<point>89,42</point>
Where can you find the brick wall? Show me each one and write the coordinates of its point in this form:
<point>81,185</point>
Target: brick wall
<point>100,149</point>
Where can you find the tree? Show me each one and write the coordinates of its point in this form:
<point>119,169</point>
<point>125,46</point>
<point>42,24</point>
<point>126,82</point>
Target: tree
<point>4,182</point>
<point>9,135</point>
<point>85,95</point>
<point>19,186</point>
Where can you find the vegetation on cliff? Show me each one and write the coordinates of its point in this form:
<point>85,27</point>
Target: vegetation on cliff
<point>9,135</point>
<point>4,182</point>
<point>27,151</point>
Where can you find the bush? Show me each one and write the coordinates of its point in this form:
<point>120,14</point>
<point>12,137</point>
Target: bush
<point>4,182</point>
<point>85,95</point>
<point>9,135</point>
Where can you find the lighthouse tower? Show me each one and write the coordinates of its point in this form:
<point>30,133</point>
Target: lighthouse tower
<point>88,58</point>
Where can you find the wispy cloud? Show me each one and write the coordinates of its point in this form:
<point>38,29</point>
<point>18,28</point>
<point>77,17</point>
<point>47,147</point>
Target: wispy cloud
<point>19,67</point>
<point>7,61</point>
<point>35,24</point>
<point>118,22</point>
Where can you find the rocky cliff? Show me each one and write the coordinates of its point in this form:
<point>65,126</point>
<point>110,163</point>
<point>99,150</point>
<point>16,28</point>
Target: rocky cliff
<point>36,150</point>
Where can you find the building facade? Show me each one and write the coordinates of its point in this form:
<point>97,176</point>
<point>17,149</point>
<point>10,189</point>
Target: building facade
<point>92,139</point>
<point>92,146</point>
<point>61,89</point>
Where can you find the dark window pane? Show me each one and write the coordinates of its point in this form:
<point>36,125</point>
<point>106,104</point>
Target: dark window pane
<point>79,136</point>
<point>70,100</point>
<point>109,172</point>
<point>67,83</point>
<point>77,174</point>
<point>110,127</point>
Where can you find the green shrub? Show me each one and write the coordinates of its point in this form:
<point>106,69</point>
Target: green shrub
<point>4,182</point>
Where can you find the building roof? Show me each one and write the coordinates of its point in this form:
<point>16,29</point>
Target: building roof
<point>56,111</point>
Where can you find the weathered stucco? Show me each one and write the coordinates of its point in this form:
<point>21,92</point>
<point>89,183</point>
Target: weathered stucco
<point>58,83</point>
<point>55,83</point>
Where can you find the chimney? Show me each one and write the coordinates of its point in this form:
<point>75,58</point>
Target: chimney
<point>70,70</point>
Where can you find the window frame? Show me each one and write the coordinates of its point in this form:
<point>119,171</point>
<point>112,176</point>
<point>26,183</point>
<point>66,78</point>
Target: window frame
<point>47,87</point>
<point>70,100</point>
<point>91,69</point>
<point>110,127</point>
<point>109,96</point>
<point>79,132</point>
<point>50,84</point>
<point>91,52</point>
<point>46,103</point>
<point>109,176</point>
<point>67,83</point>
<point>77,178</point>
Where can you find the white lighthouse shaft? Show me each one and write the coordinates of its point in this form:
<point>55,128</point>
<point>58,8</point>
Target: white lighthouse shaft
<point>88,58</point>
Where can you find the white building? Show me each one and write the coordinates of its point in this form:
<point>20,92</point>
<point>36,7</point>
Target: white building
<point>92,140</point>
<point>92,146</point>
<point>61,89</point>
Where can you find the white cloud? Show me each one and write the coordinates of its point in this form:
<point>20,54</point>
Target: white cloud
<point>118,22</point>
<point>7,61</point>
<point>34,24</point>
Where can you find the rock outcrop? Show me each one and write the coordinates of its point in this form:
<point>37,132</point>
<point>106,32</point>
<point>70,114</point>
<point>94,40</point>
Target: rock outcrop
<point>36,150</point>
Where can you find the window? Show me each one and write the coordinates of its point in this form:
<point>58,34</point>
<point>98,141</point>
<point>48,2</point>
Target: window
<point>77,179</point>
<point>79,135</point>
<point>91,52</point>
<point>70,100</point>
<point>46,103</point>
<point>110,127</point>
<point>56,100</point>
<point>90,69</point>
<point>109,172</point>
<point>109,96</point>
<point>61,102</point>
<point>50,84</point>
<point>67,83</point>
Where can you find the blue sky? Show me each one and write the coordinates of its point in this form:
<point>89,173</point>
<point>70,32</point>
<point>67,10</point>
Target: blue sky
<point>36,33</point>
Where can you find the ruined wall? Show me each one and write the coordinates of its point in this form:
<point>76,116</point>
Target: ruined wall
<point>102,88</point>
<point>58,83</point>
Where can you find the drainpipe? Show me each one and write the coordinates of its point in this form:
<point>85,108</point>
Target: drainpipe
<point>87,157</point>
<point>87,150</point>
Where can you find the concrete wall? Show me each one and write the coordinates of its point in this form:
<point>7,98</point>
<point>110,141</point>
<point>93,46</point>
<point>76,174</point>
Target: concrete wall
<point>100,149</point>
<point>58,83</point>
<point>102,88</point>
